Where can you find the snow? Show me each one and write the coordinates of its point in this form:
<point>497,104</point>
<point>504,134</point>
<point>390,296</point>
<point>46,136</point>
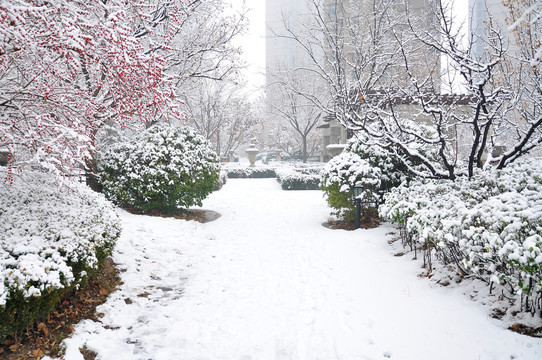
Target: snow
<point>49,233</point>
<point>268,281</point>
<point>496,210</point>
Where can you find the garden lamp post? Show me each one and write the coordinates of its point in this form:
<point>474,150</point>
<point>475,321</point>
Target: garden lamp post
<point>358,190</point>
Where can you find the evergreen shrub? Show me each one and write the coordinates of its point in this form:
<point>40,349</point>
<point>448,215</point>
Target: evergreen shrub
<point>164,168</point>
<point>375,169</point>
<point>488,226</point>
<point>260,172</point>
<point>299,178</point>
<point>52,237</point>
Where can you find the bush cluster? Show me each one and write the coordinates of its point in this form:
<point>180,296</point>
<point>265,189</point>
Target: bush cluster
<point>299,178</point>
<point>164,168</point>
<point>375,169</point>
<point>260,172</point>
<point>489,226</point>
<point>51,239</point>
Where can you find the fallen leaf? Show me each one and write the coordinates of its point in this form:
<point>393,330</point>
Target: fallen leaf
<point>103,291</point>
<point>71,329</point>
<point>15,347</point>
<point>37,353</point>
<point>9,342</point>
<point>43,328</point>
<point>516,327</point>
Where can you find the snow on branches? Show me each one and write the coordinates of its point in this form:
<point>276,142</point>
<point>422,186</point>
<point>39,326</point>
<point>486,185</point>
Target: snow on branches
<point>406,78</point>
<point>486,227</point>
<point>66,69</point>
<point>524,20</point>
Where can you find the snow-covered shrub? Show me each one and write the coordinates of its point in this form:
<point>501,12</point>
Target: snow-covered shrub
<point>392,171</point>
<point>259,172</point>
<point>164,168</point>
<point>488,226</point>
<point>299,178</point>
<point>51,238</point>
<point>339,177</point>
<point>373,168</point>
<point>222,179</point>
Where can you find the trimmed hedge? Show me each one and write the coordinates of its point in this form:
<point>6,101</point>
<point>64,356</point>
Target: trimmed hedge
<point>52,237</point>
<point>251,173</point>
<point>297,178</point>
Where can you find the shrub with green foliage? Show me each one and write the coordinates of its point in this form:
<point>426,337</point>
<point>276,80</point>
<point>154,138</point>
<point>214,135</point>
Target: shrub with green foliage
<point>375,169</point>
<point>52,237</point>
<point>260,172</point>
<point>299,178</point>
<point>488,226</point>
<point>164,168</point>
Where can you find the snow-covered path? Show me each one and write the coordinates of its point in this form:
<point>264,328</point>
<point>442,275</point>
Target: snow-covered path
<point>267,281</point>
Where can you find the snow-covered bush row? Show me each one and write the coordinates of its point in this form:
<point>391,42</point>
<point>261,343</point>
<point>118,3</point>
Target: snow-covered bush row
<point>51,238</point>
<point>373,168</point>
<point>245,172</point>
<point>299,178</point>
<point>489,226</point>
<point>164,168</point>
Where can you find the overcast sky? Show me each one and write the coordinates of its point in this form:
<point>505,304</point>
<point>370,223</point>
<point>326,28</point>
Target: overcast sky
<point>253,43</point>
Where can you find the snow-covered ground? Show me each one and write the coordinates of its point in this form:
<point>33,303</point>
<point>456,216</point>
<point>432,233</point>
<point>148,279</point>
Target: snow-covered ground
<point>267,281</point>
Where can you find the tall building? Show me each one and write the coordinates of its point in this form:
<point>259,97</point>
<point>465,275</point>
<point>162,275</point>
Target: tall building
<point>370,27</point>
<point>481,12</point>
<point>281,51</point>
<point>349,19</point>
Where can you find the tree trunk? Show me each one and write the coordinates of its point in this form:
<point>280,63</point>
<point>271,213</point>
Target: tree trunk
<point>304,138</point>
<point>218,149</point>
<point>91,173</point>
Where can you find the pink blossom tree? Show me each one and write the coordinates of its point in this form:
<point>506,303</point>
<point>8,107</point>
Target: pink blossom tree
<point>69,67</point>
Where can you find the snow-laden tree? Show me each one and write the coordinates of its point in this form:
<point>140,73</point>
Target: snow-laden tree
<point>195,37</point>
<point>349,48</point>
<point>341,39</point>
<point>385,80</point>
<point>293,109</point>
<point>522,64</point>
<point>243,123</point>
<point>281,138</point>
<point>525,19</point>
<point>222,114</point>
<point>67,68</point>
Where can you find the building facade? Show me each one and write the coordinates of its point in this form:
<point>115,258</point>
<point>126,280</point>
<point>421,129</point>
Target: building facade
<point>358,22</point>
<point>481,13</point>
<point>281,53</point>
<point>346,18</point>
